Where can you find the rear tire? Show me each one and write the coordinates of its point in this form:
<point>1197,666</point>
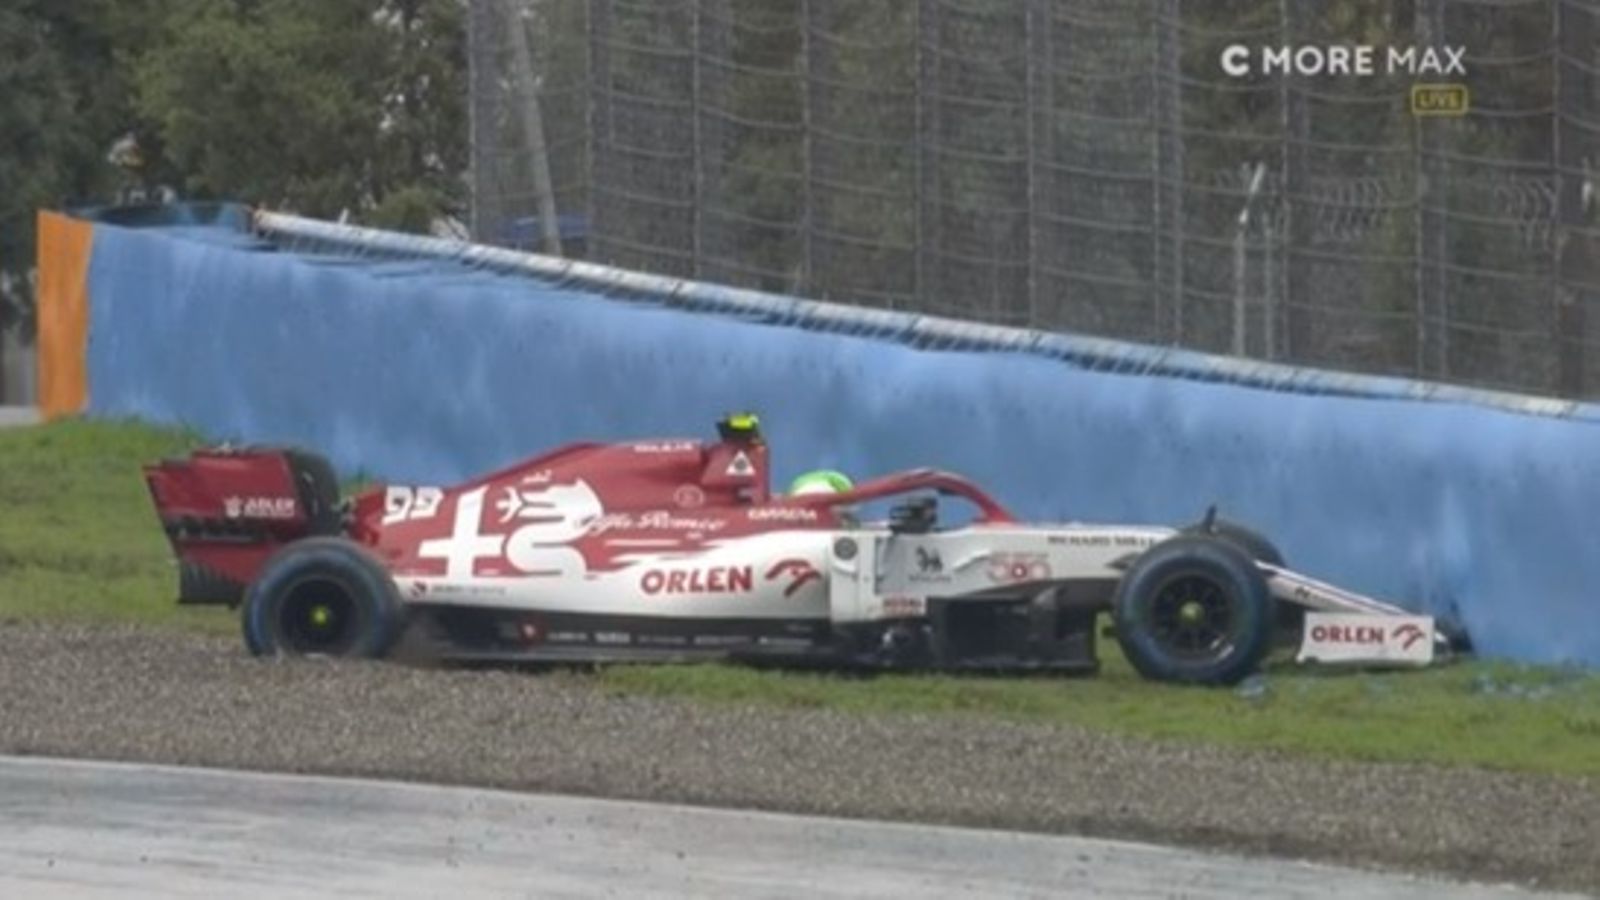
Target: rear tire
<point>322,596</point>
<point>318,487</point>
<point>1194,609</point>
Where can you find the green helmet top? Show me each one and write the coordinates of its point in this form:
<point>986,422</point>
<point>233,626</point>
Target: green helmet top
<point>821,481</point>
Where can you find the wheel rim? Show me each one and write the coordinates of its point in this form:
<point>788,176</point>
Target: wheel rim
<point>1192,617</point>
<point>318,616</point>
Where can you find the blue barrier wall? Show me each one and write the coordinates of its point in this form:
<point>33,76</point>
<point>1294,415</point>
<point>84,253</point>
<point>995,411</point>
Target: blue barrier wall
<point>422,371</point>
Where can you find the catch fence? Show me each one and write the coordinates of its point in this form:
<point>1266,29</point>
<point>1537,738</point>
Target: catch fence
<point>1073,165</point>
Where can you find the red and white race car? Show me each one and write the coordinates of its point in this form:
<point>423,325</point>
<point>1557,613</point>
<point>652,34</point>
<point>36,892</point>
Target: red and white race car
<point>676,550</point>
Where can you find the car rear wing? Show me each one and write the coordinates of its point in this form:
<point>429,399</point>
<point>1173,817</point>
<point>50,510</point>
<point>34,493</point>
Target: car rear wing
<point>226,510</point>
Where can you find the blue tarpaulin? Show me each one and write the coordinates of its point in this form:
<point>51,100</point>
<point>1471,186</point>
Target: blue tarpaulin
<point>426,371</point>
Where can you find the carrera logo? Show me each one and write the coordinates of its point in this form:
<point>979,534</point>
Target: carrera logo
<point>783,514</point>
<point>259,507</point>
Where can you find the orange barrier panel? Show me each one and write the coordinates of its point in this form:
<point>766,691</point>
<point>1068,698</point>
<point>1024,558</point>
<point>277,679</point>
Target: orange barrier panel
<point>64,245</point>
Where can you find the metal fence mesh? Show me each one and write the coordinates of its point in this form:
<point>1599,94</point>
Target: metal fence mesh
<point>1081,165</point>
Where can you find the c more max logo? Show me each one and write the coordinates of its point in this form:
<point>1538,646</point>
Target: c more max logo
<point>1357,60</point>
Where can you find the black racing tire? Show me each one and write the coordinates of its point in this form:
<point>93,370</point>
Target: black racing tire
<point>322,596</point>
<point>1194,609</point>
<point>1252,542</point>
<point>1290,617</point>
<point>318,487</point>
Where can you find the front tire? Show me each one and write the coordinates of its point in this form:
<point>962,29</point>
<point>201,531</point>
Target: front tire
<point>1194,609</point>
<point>322,596</point>
<point>1252,542</point>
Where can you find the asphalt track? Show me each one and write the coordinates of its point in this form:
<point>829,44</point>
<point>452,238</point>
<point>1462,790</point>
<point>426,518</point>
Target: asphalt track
<point>90,829</point>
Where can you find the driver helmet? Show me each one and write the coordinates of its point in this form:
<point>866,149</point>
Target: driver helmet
<point>821,481</point>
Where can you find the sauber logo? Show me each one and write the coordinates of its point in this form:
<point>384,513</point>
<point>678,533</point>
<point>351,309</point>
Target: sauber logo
<point>727,579</point>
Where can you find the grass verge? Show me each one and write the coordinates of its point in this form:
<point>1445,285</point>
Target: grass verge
<point>1478,713</point>
<point>79,541</point>
<point>78,536</point>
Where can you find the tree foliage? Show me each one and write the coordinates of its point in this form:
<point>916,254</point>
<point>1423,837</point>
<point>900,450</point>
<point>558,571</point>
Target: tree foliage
<point>61,101</point>
<point>322,107</point>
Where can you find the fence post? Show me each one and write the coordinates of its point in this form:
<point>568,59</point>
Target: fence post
<point>1037,107</point>
<point>1573,188</point>
<point>807,278</point>
<point>532,124</point>
<point>1270,223</point>
<point>1169,174</point>
<point>925,61</point>
<point>17,364</point>
<point>1281,310</point>
<point>601,125</point>
<point>484,77</point>
<point>1241,235</point>
<point>1433,313</point>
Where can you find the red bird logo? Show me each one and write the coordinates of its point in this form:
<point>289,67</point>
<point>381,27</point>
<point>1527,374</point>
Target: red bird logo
<point>802,573</point>
<point>1406,635</point>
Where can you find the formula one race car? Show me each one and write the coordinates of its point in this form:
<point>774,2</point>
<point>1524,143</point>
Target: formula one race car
<point>676,550</point>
